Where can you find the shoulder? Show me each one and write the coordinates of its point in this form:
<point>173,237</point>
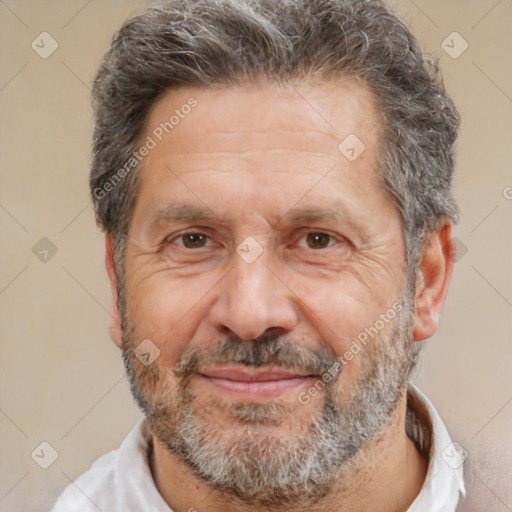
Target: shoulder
<point>116,481</point>
<point>90,490</point>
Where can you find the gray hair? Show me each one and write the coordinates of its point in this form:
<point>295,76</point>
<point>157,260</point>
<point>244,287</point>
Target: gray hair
<point>235,42</point>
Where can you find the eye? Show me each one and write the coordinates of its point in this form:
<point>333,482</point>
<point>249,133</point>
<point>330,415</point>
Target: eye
<point>190,240</point>
<point>318,240</point>
<point>195,240</point>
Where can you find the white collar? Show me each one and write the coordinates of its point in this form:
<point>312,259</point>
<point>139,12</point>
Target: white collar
<point>444,483</point>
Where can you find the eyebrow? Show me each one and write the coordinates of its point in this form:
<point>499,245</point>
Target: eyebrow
<point>337,214</point>
<point>180,212</point>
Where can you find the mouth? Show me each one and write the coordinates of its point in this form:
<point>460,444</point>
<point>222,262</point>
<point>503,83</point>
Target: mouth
<point>255,382</point>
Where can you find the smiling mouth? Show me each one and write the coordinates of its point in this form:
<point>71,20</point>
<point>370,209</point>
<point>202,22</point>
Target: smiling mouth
<point>258,382</point>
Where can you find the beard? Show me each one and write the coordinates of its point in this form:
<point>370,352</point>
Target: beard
<point>262,456</point>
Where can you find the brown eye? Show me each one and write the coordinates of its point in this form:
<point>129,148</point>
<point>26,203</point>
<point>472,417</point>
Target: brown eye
<point>193,240</point>
<point>318,240</point>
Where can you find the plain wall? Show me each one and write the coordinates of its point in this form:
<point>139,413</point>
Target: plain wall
<point>61,377</point>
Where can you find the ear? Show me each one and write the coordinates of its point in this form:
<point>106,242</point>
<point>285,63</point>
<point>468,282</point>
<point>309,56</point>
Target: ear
<point>433,280</point>
<point>115,322</point>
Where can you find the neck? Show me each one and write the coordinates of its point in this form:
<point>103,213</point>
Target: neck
<point>388,475</point>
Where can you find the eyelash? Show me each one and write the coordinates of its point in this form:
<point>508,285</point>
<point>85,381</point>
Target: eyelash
<point>184,233</point>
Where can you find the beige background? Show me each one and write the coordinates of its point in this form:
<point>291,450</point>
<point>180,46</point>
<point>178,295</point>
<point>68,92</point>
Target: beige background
<point>62,380</point>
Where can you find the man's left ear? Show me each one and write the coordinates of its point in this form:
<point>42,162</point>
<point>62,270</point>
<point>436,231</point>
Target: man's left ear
<point>433,280</point>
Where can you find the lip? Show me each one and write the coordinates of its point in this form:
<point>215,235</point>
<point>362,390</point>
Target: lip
<point>239,373</point>
<point>258,382</point>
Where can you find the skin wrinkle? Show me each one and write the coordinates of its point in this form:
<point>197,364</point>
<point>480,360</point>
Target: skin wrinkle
<point>146,382</point>
<point>408,105</point>
<point>262,134</point>
<point>199,311</point>
<point>178,213</point>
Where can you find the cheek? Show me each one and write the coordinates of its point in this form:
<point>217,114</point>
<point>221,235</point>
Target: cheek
<point>337,306</point>
<point>348,318</point>
<point>167,311</point>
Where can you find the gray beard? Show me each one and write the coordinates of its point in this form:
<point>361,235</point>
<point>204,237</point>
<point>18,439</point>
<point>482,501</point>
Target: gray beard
<point>253,462</point>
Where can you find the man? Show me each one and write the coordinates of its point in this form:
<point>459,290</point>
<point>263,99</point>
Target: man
<point>273,179</point>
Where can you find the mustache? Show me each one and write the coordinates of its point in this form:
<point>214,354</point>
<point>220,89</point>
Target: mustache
<point>265,350</point>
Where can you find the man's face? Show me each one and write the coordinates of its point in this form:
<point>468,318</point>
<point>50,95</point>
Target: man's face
<point>259,244</point>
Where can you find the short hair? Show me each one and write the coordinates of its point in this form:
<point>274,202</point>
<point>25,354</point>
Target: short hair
<point>209,43</point>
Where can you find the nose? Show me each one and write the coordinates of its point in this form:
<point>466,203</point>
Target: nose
<point>252,299</point>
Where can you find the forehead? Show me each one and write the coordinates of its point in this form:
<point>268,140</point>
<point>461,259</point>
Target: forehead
<point>269,143</point>
<point>322,110</point>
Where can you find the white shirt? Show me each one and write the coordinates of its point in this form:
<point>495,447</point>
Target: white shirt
<point>121,480</point>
